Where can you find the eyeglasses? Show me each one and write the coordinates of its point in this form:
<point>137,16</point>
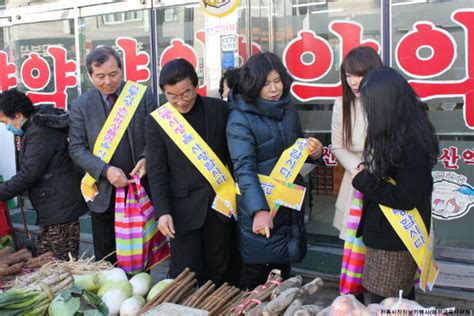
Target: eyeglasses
<point>185,96</point>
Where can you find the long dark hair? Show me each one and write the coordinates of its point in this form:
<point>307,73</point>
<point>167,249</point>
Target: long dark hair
<point>395,116</point>
<point>254,72</point>
<point>357,62</point>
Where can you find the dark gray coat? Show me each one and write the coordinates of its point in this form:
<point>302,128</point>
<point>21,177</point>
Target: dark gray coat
<point>46,169</point>
<point>257,135</point>
<point>86,120</point>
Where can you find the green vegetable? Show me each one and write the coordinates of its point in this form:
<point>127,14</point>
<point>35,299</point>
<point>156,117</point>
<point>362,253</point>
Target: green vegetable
<point>157,288</point>
<point>132,306</point>
<point>89,282</point>
<point>124,286</point>
<point>113,299</point>
<point>77,301</point>
<point>141,283</point>
<point>115,274</point>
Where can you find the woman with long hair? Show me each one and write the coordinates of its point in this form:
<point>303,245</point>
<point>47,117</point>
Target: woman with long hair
<point>260,127</point>
<point>400,145</point>
<point>348,126</point>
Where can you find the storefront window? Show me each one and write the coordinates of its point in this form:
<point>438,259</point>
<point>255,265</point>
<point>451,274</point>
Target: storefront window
<point>312,37</point>
<point>210,44</point>
<point>38,61</point>
<point>432,53</point>
<point>128,33</point>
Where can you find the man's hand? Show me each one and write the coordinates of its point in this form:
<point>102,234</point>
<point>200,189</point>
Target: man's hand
<point>140,168</point>
<point>116,177</point>
<point>165,225</point>
<point>315,148</point>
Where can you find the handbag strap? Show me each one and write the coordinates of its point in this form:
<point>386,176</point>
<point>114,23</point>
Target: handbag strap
<point>140,191</point>
<point>120,200</point>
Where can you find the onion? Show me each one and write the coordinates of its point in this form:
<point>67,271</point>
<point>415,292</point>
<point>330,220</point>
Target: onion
<point>115,274</point>
<point>141,283</point>
<point>132,306</point>
<point>108,286</point>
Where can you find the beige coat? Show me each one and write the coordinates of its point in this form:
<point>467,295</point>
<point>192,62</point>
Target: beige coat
<point>349,158</point>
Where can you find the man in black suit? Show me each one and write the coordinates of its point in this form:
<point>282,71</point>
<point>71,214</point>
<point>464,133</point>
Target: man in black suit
<point>88,114</point>
<point>182,197</point>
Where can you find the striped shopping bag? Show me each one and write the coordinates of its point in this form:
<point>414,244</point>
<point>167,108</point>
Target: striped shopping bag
<point>139,243</point>
<point>354,252</point>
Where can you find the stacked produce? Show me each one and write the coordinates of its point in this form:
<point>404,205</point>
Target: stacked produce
<point>12,263</point>
<point>278,298</point>
<point>182,291</point>
<point>76,301</point>
<point>33,292</point>
<point>349,305</point>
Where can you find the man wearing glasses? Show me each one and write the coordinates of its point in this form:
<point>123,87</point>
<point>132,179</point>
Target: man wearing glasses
<point>182,197</point>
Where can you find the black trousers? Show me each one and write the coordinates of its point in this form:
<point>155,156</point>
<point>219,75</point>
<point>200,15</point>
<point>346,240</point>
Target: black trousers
<point>103,233</point>
<point>206,251</point>
<point>234,269</point>
<point>255,274</point>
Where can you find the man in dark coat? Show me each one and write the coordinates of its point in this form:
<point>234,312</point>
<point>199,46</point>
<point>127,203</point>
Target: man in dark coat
<point>46,171</point>
<point>88,115</point>
<point>182,197</point>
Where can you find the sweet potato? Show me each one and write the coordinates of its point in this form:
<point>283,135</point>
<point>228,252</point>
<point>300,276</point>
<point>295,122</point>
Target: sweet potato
<point>10,270</point>
<point>38,262</point>
<point>282,301</point>
<point>22,255</point>
<point>5,251</point>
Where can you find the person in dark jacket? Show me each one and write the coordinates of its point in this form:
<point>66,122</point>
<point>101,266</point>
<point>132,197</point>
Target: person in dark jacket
<point>401,145</point>
<point>200,237</point>
<point>260,127</point>
<point>227,82</point>
<point>46,171</point>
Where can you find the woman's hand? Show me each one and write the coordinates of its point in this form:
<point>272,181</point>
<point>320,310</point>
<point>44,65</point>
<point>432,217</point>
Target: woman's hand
<point>315,148</point>
<point>262,223</point>
<point>356,171</point>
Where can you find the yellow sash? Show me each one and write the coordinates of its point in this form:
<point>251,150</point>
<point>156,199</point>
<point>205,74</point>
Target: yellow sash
<point>285,172</point>
<point>278,187</point>
<point>201,156</point>
<point>412,231</point>
<point>112,132</point>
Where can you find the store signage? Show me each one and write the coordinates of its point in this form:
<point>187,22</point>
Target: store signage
<point>36,75</point>
<point>219,8</point>
<point>227,60</point>
<point>309,58</point>
<point>229,43</point>
<point>179,49</point>
<point>452,196</point>
<point>450,156</point>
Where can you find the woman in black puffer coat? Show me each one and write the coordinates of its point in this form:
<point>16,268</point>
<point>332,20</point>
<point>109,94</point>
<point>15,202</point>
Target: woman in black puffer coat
<point>46,171</point>
<point>259,129</point>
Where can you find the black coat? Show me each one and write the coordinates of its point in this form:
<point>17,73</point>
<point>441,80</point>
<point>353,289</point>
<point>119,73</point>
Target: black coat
<point>177,187</point>
<point>46,170</point>
<point>413,189</point>
<point>257,135</point>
